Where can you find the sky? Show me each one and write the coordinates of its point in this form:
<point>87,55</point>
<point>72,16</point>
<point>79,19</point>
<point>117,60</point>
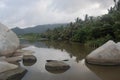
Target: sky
<point>28,13</point>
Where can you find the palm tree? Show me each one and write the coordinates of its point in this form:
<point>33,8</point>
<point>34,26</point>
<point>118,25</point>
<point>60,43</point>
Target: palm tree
<point>115,4</point>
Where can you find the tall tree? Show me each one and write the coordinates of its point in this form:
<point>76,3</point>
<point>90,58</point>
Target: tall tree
<point>115,4</point>
<point>86,17</point>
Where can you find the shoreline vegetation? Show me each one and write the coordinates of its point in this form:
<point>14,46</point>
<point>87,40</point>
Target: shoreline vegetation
<point>92,31</point>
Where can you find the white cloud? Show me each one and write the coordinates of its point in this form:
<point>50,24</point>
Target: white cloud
<point>26,13</point>
<point>2,5</point>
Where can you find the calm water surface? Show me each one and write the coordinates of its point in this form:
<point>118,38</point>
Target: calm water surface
<point>75,53</point>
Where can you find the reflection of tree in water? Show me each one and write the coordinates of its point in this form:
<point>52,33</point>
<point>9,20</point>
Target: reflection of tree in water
<point>105,72</point>
<point>74,49</point>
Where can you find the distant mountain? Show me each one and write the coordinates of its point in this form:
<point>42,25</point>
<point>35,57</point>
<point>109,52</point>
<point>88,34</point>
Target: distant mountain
<point>37,29</point>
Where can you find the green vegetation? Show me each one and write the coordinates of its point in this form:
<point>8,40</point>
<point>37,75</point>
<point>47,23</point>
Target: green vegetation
<point>92,31</point>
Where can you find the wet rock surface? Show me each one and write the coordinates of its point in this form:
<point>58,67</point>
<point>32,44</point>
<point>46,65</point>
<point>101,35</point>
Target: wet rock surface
<point>5,66</point>
<point>21,52</point>
<point>16,74</point>
<point>29,60</point>
<point>14,59</point>
<point>55,66</point>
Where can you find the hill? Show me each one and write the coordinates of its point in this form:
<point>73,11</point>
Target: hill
<point>37,29</point>
<point>92,31</point>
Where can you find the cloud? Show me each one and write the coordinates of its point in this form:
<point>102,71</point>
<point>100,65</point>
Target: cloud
<point>76,5</point>
<point>27,13</point>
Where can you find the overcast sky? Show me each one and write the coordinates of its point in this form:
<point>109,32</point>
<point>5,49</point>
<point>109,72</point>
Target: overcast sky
<point>27,13</point>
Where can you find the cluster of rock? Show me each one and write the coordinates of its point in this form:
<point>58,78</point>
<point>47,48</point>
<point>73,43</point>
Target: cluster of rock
<point>107,54</point>
<point>9,42</point>
<point>10,55</point>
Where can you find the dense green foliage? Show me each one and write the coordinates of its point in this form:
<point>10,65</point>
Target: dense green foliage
<point>93,31</point>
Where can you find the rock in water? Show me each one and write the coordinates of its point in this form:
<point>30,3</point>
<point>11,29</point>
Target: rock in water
<point>5,66</point>
<point>55,66</point>
<point>108,54</point>
<point>118,45</point>
<point>9,42</point>
<point>29,60</point>
<point>16,74</point>
<point>13,59</point>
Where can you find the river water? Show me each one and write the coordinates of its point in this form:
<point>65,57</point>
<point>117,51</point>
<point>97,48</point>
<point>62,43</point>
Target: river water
<point>75,53</point>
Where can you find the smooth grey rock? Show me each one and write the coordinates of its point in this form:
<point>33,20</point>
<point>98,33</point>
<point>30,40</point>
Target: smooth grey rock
<point>118,46</point>
<point>2,58</point>
<point>29,60</point>
<point>13,59</point>
<point>5,66</point>
<point>16,74</point>
<point>9,42</point>
<point>20,52</point>
<point>107,54</point>
<point>55,65</point>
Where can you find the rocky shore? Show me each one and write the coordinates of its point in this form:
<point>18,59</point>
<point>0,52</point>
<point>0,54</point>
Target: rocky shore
<point>11,54</point>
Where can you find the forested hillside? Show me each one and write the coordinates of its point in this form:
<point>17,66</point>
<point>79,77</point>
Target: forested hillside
<point>37,29</point>
<point>92,30</point>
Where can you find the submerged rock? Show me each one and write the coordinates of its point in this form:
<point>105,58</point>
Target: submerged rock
<point>56,66</point>
<point>5,66</point>
<point>9,42</point>
<point>27,56</point>
<point>54,60</point>
<point>49,60</point>
<point>29,60</point>
<point>66,60</point>
<point>107,54</point>
<point>16,74</point>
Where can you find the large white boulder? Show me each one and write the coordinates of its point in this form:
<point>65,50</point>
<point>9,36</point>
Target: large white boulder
<point>9,42</point>
<point>118,46</point>
<point>107,54</point>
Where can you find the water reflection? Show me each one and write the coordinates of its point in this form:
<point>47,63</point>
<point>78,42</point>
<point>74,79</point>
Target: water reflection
<point>56,71</point>
<point>73,52</point>
<point>74,49</point>
<point>106,72</point>
<point>77,71</point>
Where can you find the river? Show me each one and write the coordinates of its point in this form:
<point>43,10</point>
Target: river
<point>75,53</point>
